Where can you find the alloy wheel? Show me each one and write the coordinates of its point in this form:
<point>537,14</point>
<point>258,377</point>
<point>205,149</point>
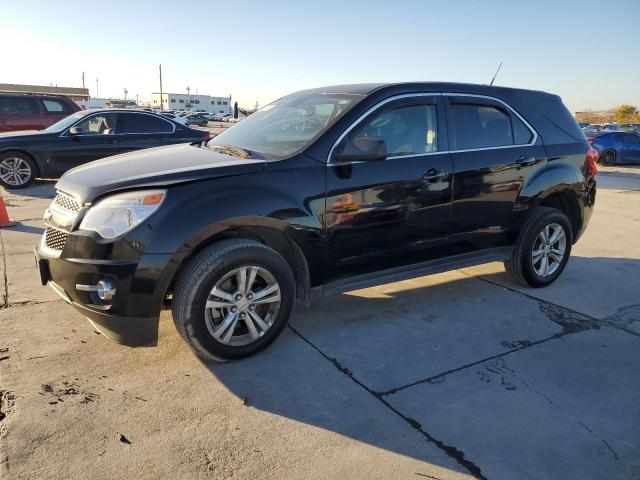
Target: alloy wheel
<point>548,250</point>
<point>15,171</point>
<point>242,305</point>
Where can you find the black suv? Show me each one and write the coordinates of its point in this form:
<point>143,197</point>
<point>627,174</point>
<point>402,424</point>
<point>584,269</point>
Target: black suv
<point>323,191</point>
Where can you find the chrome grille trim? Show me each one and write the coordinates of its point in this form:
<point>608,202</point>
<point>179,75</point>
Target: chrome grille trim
<point>67,202</point>
<point>55,239</point>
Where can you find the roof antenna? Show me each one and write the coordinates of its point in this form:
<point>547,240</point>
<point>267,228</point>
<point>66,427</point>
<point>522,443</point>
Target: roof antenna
<point>496,74</point>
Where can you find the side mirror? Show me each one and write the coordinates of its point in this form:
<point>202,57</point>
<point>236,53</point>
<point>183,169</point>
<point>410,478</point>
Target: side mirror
<point>361,149</point>
<point>76,130</point>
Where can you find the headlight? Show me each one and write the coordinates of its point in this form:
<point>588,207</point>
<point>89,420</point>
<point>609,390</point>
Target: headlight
<point>117,214</point>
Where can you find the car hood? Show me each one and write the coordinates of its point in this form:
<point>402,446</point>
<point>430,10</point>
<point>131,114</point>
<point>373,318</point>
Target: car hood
<point>22,133</point>
<point>153,167</point>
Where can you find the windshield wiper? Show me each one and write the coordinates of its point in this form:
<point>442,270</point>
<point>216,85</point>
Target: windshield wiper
<point>231,150</point>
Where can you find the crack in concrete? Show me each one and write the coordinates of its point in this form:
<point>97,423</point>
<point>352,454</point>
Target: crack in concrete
<point>451,451</point>
<point>5,295</point>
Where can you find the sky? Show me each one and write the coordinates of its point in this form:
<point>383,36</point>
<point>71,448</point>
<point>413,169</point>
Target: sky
<point>588,52</point>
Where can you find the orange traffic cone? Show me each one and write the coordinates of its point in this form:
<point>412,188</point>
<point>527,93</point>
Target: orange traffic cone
<point>4,216</point>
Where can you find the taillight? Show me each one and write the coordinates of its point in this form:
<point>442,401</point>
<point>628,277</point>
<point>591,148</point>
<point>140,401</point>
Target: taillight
<point>590,140</point>
<point>206,137</point>
<point>592,160</point>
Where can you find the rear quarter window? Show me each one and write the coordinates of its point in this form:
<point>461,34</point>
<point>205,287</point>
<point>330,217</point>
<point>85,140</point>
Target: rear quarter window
<point>55,106</point>
<point>555,112</point>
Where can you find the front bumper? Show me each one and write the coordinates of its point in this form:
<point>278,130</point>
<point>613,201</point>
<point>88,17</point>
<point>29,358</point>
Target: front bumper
<point>131,317</point>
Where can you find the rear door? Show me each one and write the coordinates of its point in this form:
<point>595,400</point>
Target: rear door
<point>493,151</point>
<point>139,130</point>
<point>21,112</point>
<point>98,139</point>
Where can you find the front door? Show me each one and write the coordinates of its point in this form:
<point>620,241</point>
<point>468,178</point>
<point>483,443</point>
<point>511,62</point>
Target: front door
<point>493,153</point>
<point>95,138</point>
<point>388,213</point>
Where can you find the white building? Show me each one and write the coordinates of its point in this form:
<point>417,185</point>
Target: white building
<point>181,101</point>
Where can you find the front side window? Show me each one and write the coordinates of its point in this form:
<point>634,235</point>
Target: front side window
<point>405,130</point>
<point>631,138</point>
<point>103,124</point>
<point>141,123</point>
<point>288,125</point>
<point>18,106</point>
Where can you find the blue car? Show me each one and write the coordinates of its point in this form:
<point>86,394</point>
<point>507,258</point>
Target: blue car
<point>616,148</point>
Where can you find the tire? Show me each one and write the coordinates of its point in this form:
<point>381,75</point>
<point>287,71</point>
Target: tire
<point>197,322</point>
<point>17,170</point>
<point>522,267</point>
<point>608,157</point>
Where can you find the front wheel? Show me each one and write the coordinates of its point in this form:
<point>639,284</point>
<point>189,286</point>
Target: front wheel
<point>233,299</point>
<point>542,250</point>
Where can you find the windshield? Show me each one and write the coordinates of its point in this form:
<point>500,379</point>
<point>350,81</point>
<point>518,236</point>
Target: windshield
<point>286,126</point>
<point>65,122</point>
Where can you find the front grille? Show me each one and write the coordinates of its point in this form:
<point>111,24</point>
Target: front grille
<point>66,202</point>
<point>55,239</point>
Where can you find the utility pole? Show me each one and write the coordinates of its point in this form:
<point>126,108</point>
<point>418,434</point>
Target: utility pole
<point>83,80</point>
<point>160,66</point>
<point>125,93</point>
<point>97,94</point>
<point>137,104</point>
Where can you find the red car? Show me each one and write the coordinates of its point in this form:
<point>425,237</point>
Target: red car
<point>31,111</point>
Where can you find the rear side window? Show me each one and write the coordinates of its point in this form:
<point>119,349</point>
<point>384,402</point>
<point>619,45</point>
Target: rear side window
<point>555,111</point>
<point>18,106</point>
<point>140,123</point>
<point>480,126</point>
<point>55,106</point>
<point>486,126</point>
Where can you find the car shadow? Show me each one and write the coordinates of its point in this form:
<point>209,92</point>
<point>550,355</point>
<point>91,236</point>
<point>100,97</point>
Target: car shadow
<point>21,227</point>
<point>618,180</point>
<point>292,379</point>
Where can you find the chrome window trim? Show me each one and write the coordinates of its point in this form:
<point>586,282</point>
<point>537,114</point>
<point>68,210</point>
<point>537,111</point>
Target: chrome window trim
<point>66,131</point>
<point>444,94</point>
<point>510,108</point>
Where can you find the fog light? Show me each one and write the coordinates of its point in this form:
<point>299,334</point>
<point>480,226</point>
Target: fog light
<point>106,290</point>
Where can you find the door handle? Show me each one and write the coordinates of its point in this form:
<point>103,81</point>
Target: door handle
<point>433,174</point>
<point>523,160</point>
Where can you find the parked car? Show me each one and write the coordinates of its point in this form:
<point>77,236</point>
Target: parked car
<point>196,119</point>
<point>241,116</point>
<point>584,125</point>
<point>324,191</point>
<point>83,137</point>
<point>226,117</point>
<point>217,117</point>
<point>26,111</point>
<point>617,148</point>
<point>611,127</point>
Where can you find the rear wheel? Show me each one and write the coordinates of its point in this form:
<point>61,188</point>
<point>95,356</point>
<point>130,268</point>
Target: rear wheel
<point>542,249</point>
<point>233,299</point>
<point>608,157</point>
<point>17,170</point>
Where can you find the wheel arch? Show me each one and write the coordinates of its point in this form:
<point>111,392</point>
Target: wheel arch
<point>281,239</point>
<point>567,202</point>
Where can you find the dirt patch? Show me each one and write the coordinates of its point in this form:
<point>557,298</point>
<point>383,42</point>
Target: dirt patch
<point>67,389</point>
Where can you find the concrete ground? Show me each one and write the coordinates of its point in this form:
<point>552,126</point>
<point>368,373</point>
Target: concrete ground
<point>449,376</point>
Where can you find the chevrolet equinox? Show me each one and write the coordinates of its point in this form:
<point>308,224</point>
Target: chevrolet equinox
<point>323,191</point>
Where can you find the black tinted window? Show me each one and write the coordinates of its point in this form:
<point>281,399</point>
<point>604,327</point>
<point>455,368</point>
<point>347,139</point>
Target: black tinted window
<point>18,106</point>
<point>406,130</point>
<point>141,123</point>
<point>480,126</point>
<point>521,134</point>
